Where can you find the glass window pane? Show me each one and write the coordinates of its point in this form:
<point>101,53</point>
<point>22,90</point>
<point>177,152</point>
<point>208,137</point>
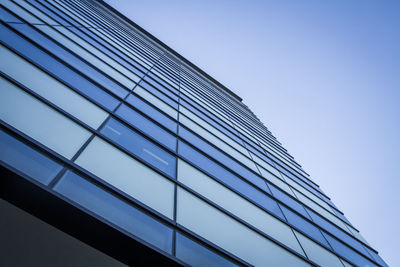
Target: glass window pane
<point>237,205</point>
<point>7,17</point>
<point>72,60</point>
<point>55,67</point>
<point>334,230</point>
<point>219,156</point>
<point>229,179</point>
<point>160,95</point>
<point>318,254</point>
<point>195,254</point>
<point>27,160</point>
<point>288,200</point>
<point>128,175</point>
<point>347,253</point>
<point>146,126</point>
<point>39,121</point>
<point>51,89</point>
<point>304,226</point>
<point>152,112</point>
<point>115,210</point>
<point>229,234</point>
<point>140,146</point>
<point>156,102</point>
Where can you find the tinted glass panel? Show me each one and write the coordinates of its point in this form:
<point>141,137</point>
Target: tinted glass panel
<point>115,210</point>
<point>229,234</point>
<point>304,226</point>
<point>39,121</point>
<point>140,146</point>
<point>348,253</point>
<point>71,59</point>
<point>160,95</point>
<point>51,89</point>
<point>197,255</point>
<point>230,163</point>
<point>147,126</point>
<point>27,160</point>
<point>57,68</point>
<point>128,175</point>
<point>337,232</point>
<point>151,112</point>
<point>7,17</point>
<point>161,88</point>
<point>229,179</point>
<point>288,200</point>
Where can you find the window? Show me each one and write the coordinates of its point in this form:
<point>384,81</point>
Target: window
<point>39,121</point>
<point>27,160</point>
<point>140,146</point>
<point>115,210</point>
<point>128,175</point>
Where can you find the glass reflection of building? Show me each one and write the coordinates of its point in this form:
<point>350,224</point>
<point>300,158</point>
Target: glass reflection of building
<point>113,138</point>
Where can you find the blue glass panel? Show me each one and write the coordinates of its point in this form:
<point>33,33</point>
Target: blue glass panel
<point>212,122</point>
<point>57,68</point>
<point>302,224</point>
<point>341,216</point>
<point>140,146</point>
<point>376,257</point>
<point>147,126</point>
<point>195,254</point>
<point>221,157</point>
<point>331,228</point>
<point>159,80</point>
<point>115,210</point>
<point>288,200</point>
<point>87,35</point>
<point>152,112</point>
<point>347,253</point>
<point>71,59</point>
<point>161,88</point>
<point>160,95</point>
<point>27,160</point>
<point>7,17</point>
<point>228,178</point>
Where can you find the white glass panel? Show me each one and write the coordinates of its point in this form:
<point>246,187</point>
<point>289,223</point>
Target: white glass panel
<point>229,234</point>
<point>130,176</point>
<point>237,205</point>
<point>51,89</point>
<point>39,121</point>
<point>318,254</point>
<point>156,102</point>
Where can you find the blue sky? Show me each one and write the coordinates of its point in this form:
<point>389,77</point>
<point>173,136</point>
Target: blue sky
<point>323,76</point>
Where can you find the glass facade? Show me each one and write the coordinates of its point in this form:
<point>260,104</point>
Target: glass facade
<point>103,115</point>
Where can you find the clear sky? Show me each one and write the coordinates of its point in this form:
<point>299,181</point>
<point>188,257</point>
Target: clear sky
<point>323,76</point>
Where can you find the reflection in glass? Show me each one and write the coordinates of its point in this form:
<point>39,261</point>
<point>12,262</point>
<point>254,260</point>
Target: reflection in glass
<point>140,146</point>
<point>115,210</point>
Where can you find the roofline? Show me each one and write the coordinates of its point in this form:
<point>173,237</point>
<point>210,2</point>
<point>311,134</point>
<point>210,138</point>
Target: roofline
<point>172,51</point>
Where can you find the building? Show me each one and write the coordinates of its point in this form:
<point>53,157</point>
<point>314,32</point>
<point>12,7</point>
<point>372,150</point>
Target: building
<point>115,150</point>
